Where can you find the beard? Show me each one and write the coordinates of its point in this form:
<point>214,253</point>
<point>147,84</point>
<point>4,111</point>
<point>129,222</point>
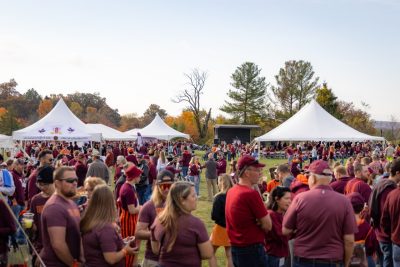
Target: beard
<point>69,194</point>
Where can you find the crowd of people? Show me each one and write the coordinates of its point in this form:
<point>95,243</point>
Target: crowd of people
<point>332,204</point>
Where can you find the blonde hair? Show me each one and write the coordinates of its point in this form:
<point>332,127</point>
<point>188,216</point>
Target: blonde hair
<point>174,209</point>
<point>100,211</point>
<point>225,181</point>
<point>92,182</point>
<point>192,160</point>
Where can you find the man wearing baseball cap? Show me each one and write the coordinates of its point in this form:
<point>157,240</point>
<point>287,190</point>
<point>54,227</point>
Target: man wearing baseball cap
<point>46,186</point>
<point>246,216</point>
<point>323,220</point>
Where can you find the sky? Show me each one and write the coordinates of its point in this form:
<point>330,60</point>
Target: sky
<point>134,53</point>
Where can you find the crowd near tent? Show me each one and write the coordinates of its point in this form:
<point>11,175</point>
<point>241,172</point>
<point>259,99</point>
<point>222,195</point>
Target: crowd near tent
<point>158,129</point>
<point>110,134</point>
<point>313,123</point>
<point>59,124</point>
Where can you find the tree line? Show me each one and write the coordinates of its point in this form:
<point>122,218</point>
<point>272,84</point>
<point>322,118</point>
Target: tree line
<point>251,99</point>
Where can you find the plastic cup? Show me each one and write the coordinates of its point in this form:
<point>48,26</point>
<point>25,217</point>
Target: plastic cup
<point>27,219</point>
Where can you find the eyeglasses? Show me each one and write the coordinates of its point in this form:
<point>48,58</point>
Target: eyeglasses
<point>70,180</point>
<point>165,186</point>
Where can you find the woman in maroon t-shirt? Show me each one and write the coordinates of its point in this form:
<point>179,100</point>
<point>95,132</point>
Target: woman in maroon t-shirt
<point>149,212</point>
<point>180,238</point>
<point>102,244</point>
<point>194,173</point>
<point>276,244</point>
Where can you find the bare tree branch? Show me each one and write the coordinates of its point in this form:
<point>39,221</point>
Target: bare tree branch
<point>191,96</point>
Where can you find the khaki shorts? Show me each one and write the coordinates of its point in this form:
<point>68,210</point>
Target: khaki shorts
<point>149,263</point>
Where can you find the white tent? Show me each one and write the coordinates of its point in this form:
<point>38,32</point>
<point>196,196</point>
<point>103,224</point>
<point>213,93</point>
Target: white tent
<point>6,141</point>
<point>59,124</point>
<point>133,132</point>
<point>160,130</point>
<point>313,123</point>
<point>110,134</point>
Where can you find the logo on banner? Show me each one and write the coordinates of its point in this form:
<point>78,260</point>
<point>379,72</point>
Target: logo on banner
<point>42,131</point>
<point>56,131</point>
<point>70,130</point>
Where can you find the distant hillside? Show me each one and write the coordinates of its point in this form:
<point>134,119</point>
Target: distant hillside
<point>386,125</point>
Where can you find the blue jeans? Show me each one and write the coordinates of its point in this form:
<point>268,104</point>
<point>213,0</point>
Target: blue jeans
<point>141,191</point>
<point>386,249</point>
<point>184,171</point>
<point>272,261</point>
<point>371,262</point>
<point>196,181</point>
<point>253,255</point>
<point>19,235</point>
<point>298,263</point>
<point>149,190</point>
<point>396,255</point>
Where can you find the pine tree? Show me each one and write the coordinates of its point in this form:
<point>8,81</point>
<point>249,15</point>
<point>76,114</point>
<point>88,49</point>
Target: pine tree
<point>248,96</point>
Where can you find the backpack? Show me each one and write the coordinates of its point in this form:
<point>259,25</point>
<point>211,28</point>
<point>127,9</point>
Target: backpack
<point>144,176</point>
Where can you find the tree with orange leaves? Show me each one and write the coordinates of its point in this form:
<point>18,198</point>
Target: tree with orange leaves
<point>44,107</point>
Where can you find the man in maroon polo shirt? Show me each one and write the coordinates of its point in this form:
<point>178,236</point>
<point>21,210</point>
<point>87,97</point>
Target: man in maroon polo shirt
<point>376,205</point>
<point>247,218</point>
<point>359,183</point>
<point>341,179</point>
<point>323,221</point>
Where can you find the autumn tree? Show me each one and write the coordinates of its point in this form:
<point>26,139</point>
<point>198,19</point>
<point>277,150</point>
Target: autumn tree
<point>151,112</point>
<point>248,97</point>
<point>8,89</point>
<point>191,96</point>
<point>185,122</point>
<point>327,99</point>
<point>76,108</point>
<point>295,86</point>
<point>8,122</point>
<point>355,117</point>
<point>94,100</point>
<point>45,107</point>
<point>130,121</point>
<point>91,115</point>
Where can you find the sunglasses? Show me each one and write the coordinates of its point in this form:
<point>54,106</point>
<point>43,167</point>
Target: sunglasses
<point>70,180</point>
<point>165,186</point>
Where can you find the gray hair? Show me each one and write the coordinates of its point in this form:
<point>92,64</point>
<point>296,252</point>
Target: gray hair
<point>121,159</point>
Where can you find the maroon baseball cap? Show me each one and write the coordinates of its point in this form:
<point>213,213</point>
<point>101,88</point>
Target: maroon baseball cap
<point>246,160</point>
<point>320,167</point>
<point>356,199</point>
<point>132,172</point>
<point>172,169</point>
